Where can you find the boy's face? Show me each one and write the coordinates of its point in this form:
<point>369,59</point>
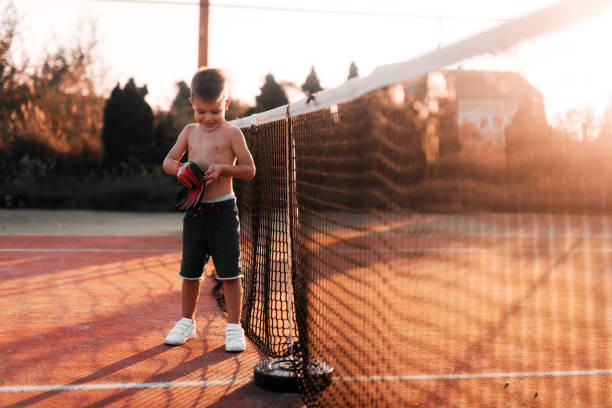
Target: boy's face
<point>209,114</point>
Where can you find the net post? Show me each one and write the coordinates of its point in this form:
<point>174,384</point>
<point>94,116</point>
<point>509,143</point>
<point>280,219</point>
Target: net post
<point>255,225</point>
<point>281,374</point>
<point>290,194</point>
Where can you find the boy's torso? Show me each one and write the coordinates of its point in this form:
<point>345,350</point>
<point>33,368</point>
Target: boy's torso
<point>206,148</point>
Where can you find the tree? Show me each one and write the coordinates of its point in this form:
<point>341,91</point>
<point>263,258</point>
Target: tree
<point>181,100</point>
<point>181,107</point>
<point>128,126</point>
<point>353,71</point>
<point>52,109</point>
<point>13,94</point>
<point>164,136</point>
<point>168,125</point>
<point>236,109</point>
<point>605,129</point>
<point>312,85</point>
<point>272,96</point>
<point>8,24</point>
<point>528,146</point>
<point>181,112</point>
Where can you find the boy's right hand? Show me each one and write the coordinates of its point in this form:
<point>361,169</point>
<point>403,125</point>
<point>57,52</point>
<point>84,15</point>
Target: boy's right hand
<point>189,174</point>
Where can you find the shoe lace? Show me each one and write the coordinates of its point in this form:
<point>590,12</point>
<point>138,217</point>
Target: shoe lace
<point>181,327</point>
<point>233,334</point>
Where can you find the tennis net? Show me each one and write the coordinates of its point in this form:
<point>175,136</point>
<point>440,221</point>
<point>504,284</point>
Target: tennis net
<point>429,233</point>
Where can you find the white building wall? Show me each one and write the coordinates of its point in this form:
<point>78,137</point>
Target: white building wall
<point>490,117</point>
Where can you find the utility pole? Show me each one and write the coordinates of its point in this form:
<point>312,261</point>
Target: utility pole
<point>203,38</point>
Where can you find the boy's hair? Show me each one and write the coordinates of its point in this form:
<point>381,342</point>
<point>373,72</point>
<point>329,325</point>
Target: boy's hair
<point>208,84</point>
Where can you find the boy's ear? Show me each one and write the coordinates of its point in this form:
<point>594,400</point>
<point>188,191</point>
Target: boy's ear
<point>190,100</point>
<point>227,102</point>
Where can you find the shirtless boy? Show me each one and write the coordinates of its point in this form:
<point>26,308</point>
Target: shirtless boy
<point>211,227</point>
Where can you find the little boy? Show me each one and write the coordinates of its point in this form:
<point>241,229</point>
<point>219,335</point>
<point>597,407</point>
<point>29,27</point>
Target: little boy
<point>211,227</point>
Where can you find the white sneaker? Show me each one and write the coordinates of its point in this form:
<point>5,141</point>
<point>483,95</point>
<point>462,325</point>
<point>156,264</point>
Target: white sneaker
<point>234,338</point>
<point>183,330</point>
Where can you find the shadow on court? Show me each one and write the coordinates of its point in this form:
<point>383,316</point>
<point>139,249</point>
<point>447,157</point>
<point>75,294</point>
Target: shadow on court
<point>437,315</point>
<point>87,329</point>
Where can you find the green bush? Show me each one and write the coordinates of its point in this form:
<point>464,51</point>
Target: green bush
<point>38,184</point>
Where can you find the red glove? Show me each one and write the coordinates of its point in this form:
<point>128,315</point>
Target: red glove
<point>189,174</point>
<point>188,198</point>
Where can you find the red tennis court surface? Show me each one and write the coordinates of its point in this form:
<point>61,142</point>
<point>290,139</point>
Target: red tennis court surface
<point>83,324</point>
<point>522,301</point>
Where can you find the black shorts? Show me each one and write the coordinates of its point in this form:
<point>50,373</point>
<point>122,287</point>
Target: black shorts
<point>211,230</point>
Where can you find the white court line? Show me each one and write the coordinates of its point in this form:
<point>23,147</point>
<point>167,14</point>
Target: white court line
<point>467,250</point>
<point>382,250</point>
<point>146,385</point>
<point>473,376</point>
<point>86,250</point>
<point>118,386</point>
<point>491,235</point>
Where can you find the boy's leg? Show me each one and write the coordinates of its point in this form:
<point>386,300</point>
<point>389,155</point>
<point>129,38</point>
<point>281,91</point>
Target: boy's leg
<point>189,297</point>
<point>194,258</point>
<point>225,252</point>
<point>234,335</point>
<point>185,329</point>
<point>232,289</point>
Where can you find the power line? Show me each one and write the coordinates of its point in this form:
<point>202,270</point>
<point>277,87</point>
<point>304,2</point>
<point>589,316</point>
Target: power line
<point>311,10</point>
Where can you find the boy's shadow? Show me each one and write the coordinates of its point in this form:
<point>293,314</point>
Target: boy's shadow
<point>204,359</point>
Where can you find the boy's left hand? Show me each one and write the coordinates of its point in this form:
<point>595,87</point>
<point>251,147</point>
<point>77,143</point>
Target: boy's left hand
<point>213,173</point>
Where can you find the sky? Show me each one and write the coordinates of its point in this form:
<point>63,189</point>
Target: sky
<point>157,44</point>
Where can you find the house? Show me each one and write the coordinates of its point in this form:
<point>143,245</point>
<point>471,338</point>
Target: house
<point>481,104</point>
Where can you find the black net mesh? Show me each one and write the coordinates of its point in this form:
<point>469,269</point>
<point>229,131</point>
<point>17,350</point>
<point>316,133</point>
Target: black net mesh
<point>439,242</point>
<point>267,308</point>
<point>425,269</point>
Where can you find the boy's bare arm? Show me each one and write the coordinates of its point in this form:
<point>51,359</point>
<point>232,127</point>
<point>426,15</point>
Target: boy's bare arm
<point>177,151</point>
<point>245,169</point>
